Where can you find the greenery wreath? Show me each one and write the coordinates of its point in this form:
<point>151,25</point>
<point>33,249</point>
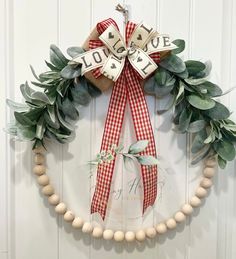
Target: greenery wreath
<point>53,112</point>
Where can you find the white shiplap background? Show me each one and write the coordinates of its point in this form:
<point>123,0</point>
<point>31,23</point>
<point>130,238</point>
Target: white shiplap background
<point>29,228</point>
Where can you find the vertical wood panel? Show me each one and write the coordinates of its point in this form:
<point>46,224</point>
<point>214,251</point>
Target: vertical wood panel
<point>3,157</point>
<point>35,234</point>
<point>174,20</point>
<point>72,242</point>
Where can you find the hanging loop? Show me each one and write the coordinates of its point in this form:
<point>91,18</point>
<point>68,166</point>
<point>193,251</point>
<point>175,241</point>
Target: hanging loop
<point>124,11</point>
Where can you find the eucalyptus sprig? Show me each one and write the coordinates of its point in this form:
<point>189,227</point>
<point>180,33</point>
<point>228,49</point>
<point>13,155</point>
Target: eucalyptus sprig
<point>52,111</point>
<point>188,91</point>
<point>106,156</point>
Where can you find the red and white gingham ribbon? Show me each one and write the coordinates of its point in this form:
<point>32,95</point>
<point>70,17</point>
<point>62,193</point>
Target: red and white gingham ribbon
<point>126,88</point>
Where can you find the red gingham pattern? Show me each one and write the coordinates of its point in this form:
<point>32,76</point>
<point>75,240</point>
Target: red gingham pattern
<point>127,87</point>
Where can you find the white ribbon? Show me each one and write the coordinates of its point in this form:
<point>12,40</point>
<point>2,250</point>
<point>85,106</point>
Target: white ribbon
<point>143,42</point>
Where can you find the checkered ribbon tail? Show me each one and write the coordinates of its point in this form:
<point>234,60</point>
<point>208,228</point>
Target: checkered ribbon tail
<point>126,88</point>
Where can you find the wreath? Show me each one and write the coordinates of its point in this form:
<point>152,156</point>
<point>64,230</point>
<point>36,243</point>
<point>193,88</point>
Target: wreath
<point>183,86</point>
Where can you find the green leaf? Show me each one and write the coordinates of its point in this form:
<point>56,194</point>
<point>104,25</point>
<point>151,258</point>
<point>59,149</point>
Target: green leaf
<point>225,150</point>
<point>180,44</point>
<point>80,93</point>
<point>180,94</point>
<point>70,72</point>
<point>204,153</point>
<point>198,142</point>
<point>40,96</point>
<point>184,120</point>
<point>165,104</point>
<point>40,129</point>
<point>173,64</point>
<point>195,81</point>
<point>57,58</point>
<point>69,109</point>
<point>34,74</point>
<point>194,67</point>
<point>23,120</point>
<point>200,103</point>
<point>147,160</point>
<point>19,107</point>
<point>62,121</point>
<point>74,51</point>
<point>93,90</point>
<point>212,89</point>
<point>221,162</point>
<point>196,126</point>
<point>218,112</point>
<point>138,147</point>
<point>183,74</point>
<point>53,68</point>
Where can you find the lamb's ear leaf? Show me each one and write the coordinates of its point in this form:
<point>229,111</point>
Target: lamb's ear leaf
<point>138,147</point>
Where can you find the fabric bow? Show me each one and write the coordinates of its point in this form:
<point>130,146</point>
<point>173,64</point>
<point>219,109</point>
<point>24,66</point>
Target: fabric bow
<point>125,61</point>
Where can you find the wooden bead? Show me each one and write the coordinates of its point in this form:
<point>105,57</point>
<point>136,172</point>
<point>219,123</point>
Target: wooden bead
<point>39,150</point>
<point>60,208</point>
<point>129,236</point>
<point>210,162</point>
<point>87,228</point>
<point>43,180</point>
<point>140,235</point>
<point>201,192</point>
<point>187,209</point>
<point>39,159</point>
<point>179,216</point>
<point>171,223</point>
<point>209,172</point>
<point>39,169</point>
<point>195,201</point>
<point>69,216</point>
<point>108,234</point>
<point>119,236</point>
<point>54,199</point>
<point>151,232</point>
<point>48,190</point>
<point>161,228</point>
<point>97,232</point>
<point>206,182</point>
<point>77,223</point>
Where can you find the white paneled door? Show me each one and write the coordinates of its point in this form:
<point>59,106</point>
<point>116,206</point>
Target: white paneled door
<point>29,227</point>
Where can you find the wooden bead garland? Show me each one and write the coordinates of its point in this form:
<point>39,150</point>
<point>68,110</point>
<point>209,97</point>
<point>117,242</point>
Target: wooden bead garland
<point>108,234</point>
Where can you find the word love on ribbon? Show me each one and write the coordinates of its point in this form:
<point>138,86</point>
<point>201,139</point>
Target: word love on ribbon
<point>141,41</point>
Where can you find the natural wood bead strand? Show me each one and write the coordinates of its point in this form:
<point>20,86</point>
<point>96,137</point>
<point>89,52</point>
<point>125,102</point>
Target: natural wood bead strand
<point>39,159</point>
<point>43,180</point>
<point>77,223</point>
<point>151,232</point>
<point>201,192</point>
<point>48,190</point>
<point>129,236</point>
<point>171,223</point>
<point>206,182</point>
<point>187,209</point>
<point>69,216</point>
<point>97,232</point>
<point>179,216</point>
<point>161,228</point>
<point>54,199</point>
<point>195,201</point>
<point>119,236</point>
<point>140,235</point>
<point>39,169</point>
<point>61,208</point>
<point>108,234</point>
